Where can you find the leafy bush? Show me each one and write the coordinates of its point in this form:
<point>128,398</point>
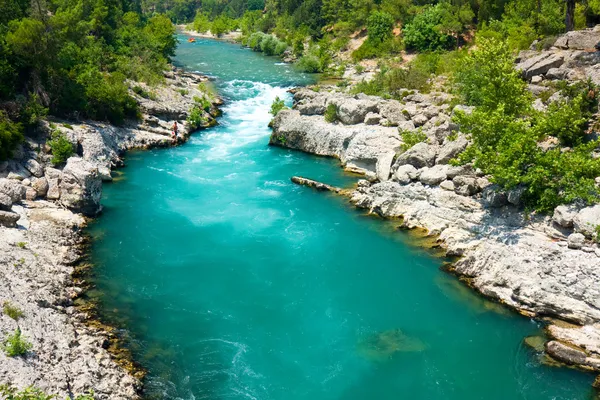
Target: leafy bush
<point>201,23</point>
<point>411,138</point>
<point>268,45</point>
<point>371,49</point>
<point>277,105</point>
<point>11,134</point>
<point>309,64</point>
<point>505,134</point>
<point>423,33</point>
<point>12,311</point>
<point>255,40</point>
<point>32,393</point>
<point>61,148</point>
<point>393,82</point>
<point>280,48</point>
<point>15,345</point>
<point>331,113</point>
<point>487,78</point>
<point>379,27</point>
<point>196,117</point>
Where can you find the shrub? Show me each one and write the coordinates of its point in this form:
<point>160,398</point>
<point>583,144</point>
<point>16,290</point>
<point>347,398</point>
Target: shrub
<point>201,23</point>
<point>280,48</point>
<point>61,148</point>
<point>423,33</point>
<point>11,134</point>
<point>30,393</point>
<point>255,40</point>
<point>21,245</point>
<point>268,45</point>
<point>487,78</point>
<point>331,113</point>
<point>309,64</point>
<point>372,49</point>
<point>379,27</point>
<point>15,345</point>
<point>196,117</point>
<point>12,311</point>
<point>68,126</point>
<point>411,138</point>
<point>278,105</point>
<point>504,135</point>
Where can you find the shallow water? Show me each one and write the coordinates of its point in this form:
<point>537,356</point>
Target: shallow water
<point>232,283</point>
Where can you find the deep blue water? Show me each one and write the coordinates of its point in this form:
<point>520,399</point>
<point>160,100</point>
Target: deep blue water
<point>233,283</point>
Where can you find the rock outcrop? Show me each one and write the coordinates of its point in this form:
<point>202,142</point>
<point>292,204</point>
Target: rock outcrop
<point>539,265</point>
<point>42,209</point>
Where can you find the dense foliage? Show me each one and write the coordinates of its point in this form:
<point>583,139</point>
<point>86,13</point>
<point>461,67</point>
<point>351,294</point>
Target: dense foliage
<point>507,134</point>
<point>32,393</point>
<point>71,58</point>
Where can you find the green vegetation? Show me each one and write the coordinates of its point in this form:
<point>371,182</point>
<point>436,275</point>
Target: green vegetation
<point>61,148</point>
<point>12,311</point>
<point>21,245</point>
<point>71,58</point>
<point>15,345</point>
<point>31,393</point>
<point>410,138</point>
<point>278,105</point>
<point>331,113</point>
<point>196,117</point>
<point>505,132</point>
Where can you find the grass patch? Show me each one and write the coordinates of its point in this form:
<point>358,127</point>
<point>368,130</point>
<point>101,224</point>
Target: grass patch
<point>12,311</point>
<point>16,345</point>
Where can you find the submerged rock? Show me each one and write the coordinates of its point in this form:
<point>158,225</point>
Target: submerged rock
<point>383,345</point>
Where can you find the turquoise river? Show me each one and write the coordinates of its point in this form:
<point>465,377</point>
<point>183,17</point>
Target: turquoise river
<point>230,282</point>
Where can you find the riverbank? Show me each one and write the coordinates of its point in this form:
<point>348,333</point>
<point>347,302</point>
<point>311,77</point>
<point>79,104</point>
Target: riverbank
<point>233,37</point>
<point>546,267</point>
<point>44,210</point>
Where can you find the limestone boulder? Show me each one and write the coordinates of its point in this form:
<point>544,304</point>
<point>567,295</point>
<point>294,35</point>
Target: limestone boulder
<point>587,220</point>
<point>405,174</point>
<point>451,149</point>
<point>465,185</point>
<point>392,111</point>
<point>585,39</point>
<point>434,176</point>
<point>540,64</point>
<point>81,187</point>
<point>5,202</point>
<point>419,156</point>
<point>353,111</point>
<point>40,185</point>
<point>564,215</point>
<point>494,197</point>
<point>372,119</point>
<point>9,219</point>
<point>12,188</point>
<point>576,241</point>
<point>34,168</point>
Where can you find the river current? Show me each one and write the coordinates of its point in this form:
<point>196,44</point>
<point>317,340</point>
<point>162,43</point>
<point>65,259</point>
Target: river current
<point>230,282</point>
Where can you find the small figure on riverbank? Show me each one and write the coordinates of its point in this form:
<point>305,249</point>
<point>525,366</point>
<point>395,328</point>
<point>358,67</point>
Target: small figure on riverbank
<point>174,130</point>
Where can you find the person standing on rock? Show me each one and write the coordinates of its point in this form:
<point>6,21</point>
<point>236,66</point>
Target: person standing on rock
<point>174,130</point>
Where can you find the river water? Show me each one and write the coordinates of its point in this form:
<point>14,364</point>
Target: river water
<point>230,282</point>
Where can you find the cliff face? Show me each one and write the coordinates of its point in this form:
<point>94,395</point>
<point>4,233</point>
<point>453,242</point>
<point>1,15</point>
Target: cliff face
<point>42,211</point>
<point>542,266</point>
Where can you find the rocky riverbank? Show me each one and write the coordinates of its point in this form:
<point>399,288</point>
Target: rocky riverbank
<point>43,212</point>
<point>547,267</point>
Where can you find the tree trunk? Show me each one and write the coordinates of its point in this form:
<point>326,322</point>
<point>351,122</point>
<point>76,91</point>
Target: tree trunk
<point>570,15</point>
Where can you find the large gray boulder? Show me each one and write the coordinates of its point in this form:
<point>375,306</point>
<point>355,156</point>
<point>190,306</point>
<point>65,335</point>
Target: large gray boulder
<point>34,167</point>
<point>405,174</point>
<point>434,176</point>
<point>465,185</point>
<point>540,64</point>
<point>419,156</point>
<point>9,219</point>
<point>5,202</point>
<point>575,241</point>
<point>40,185</point>
<point>584,39</point>
<point>564,215</point>
<point>451,149</point>
<point>494,197</point>
<point>392,111</point>
<point>353,111</point>
<point>587,220</point>
<point>81,187</point>
<point>13,188</point>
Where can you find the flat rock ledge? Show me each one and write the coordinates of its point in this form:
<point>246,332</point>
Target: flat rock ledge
<point>43,212</point>
<point>544,267</point>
